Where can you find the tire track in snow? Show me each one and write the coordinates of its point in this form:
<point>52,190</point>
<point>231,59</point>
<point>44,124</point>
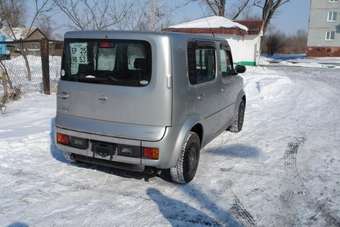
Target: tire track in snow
<point>241,213</point>
<point>318,208</point>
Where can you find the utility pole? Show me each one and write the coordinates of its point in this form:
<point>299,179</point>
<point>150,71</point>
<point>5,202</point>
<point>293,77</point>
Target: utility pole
<point>152,15</point>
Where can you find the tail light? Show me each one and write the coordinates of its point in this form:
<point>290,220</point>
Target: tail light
<point>63,139</point>
<point>151,153</point>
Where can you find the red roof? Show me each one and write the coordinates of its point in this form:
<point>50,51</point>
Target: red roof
<point>254,26</point>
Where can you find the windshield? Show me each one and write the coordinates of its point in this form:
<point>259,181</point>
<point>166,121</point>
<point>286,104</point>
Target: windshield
<point>116,62</point>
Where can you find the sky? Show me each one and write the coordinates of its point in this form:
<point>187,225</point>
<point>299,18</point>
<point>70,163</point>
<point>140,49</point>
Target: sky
<point>291,17</point>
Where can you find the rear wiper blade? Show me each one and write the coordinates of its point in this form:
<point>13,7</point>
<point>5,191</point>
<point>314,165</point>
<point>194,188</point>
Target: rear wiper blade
<point>91,78</point>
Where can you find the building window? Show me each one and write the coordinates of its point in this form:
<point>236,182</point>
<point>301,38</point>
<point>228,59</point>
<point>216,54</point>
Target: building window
<point>330,35</point>
<point>332,15</point>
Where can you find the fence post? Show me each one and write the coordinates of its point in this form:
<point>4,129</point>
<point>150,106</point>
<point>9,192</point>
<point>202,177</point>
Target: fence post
<point>44,48</point>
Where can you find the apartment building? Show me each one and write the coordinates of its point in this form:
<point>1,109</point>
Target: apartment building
<point>324,28</point>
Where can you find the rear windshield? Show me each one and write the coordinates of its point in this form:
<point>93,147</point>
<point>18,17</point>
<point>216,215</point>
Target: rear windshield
<point>116,62</point>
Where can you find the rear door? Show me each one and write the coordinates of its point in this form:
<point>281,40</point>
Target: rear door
<point>115,81</point>
<point>229,86</point>
<point>202,63</point>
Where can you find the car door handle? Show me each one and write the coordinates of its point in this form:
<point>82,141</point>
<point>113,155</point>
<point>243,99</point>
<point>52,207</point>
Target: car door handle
<point>103,98</point>
<point>222,90</point>
<point>200,97</point>
<point>64,95</point>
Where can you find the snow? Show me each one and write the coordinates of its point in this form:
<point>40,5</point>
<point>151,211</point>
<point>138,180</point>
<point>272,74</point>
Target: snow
<point>17,72</point>
<point>301,61</point>
<point>211,22</point>
<point>283,169</point>
<point>19,33</point>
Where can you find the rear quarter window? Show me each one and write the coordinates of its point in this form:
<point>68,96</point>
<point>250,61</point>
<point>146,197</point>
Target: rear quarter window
<point>201,62</point>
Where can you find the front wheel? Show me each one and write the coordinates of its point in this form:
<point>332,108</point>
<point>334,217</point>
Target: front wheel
<point>238,123</point>
<point>188,160</point>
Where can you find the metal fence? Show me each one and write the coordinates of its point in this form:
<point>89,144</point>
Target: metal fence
<point>44,62</point>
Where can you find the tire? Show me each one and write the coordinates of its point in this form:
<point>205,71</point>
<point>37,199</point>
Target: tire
<point>238,123</point>
<point>188,160</point>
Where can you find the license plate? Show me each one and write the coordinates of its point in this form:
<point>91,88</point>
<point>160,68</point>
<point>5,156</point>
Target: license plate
<point>103,149</point>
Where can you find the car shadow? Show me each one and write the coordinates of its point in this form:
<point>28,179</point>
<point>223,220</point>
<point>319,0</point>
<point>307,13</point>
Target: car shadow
<point>177,212</point>
<point>18,224</point>
<point>222,215</point>
<point>236,150</point>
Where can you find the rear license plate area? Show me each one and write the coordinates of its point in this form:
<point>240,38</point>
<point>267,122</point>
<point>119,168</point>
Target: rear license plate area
<point>103,149</point>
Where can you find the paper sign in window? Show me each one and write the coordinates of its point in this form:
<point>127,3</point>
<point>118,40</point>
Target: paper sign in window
<point>78,56</point>
<point>106,59</point>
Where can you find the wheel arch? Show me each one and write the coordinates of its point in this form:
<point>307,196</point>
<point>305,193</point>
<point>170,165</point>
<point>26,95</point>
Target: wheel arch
<point>198,128</point>
<point>240,97</point>
<point>192,124</point>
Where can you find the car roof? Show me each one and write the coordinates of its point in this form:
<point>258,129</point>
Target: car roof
<point>134,34</point>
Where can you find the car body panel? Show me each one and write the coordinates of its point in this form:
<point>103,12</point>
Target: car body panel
<point>162,113</point>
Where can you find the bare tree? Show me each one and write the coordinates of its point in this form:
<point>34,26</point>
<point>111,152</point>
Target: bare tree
<point>274,42</point>
<point>45,25</point>
<point>14,8</point>
<point>96,14</point>
<point>222,8</point>
<point>268,8</point>
<point>12,12</point>
<point>6,83</point>
<point>153,16</point>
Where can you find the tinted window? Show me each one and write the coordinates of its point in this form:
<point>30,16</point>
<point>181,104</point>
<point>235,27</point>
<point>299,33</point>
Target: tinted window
<point>117,62</point>
<point>202,63</point>
<point>226,64</point>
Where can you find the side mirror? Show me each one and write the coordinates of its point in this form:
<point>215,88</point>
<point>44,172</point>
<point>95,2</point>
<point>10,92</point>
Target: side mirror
<point>240,69</point>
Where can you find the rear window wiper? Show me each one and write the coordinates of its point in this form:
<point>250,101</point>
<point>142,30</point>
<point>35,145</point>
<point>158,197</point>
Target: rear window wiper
<point>91,78</point>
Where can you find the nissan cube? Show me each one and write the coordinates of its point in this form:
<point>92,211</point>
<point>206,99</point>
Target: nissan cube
<point>138,100</point>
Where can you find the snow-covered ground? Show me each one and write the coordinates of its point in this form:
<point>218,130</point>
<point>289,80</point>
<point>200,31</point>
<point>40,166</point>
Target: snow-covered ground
<point>18,74</point>
<point>283,169</point>
<point>300,60</point>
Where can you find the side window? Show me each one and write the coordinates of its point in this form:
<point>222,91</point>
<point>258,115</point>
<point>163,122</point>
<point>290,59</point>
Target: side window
<point>226,64</point>
<point>202,63</point>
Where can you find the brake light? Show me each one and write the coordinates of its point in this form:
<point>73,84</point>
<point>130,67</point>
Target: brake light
<point>151,153</point>
<point>105,44</point>
<point>63,139</point>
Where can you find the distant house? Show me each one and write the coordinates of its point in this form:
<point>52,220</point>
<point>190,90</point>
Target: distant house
<point>33,48</point>
<point>244,37</point>
<point>324,29</point>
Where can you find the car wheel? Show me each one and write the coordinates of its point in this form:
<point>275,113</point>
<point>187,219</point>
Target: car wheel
<point>188,160</point>
<point>238,123</point>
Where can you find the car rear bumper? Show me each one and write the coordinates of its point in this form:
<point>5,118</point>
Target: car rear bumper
<point>165,149</point>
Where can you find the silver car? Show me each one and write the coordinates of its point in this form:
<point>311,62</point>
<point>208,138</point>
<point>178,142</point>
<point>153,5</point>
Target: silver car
<point>146,101</point>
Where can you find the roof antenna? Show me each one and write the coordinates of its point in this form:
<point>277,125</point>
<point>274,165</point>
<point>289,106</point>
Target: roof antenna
<point>210,29</point>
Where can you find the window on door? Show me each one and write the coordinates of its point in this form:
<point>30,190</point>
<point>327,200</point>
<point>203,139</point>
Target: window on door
<point>201,63</point>
<point>332,16</point>
<point>226,64</point>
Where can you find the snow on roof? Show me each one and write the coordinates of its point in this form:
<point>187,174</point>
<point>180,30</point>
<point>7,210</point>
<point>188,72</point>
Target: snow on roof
<point>19,32</point>
<point>211,22</point>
